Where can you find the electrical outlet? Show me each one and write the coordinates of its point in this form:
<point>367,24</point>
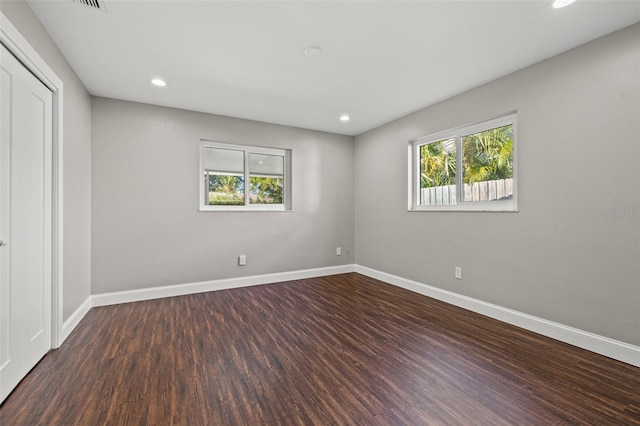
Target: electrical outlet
<point>338,251</point>
<point>242,260</point>
<point>458,273</point>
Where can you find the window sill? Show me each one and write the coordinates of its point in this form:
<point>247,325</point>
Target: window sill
<point>507,206</point>
<point>449,210</point>
<point>242,209</point>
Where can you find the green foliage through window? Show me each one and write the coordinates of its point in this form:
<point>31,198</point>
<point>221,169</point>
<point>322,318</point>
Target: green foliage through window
<point>470,168</point>
<point>265,190</point>
<point>226,190</point>
<point>488,155</point>
<point>438,164</point>
<point>237,177</point>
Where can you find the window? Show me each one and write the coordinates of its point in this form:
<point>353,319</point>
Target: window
<point>486,180</point>
<point>238,177</point>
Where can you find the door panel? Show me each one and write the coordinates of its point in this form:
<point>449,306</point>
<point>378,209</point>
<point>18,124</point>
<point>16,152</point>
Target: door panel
<point>25,221</point>
<point>5,169</point>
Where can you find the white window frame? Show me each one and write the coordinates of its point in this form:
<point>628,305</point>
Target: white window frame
<point>457,134</point>
<point>247,149</point>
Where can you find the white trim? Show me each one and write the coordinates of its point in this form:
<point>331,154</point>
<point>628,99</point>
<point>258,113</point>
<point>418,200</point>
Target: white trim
<point>456,134</point>
<point>11,38</point>
<point>611,348</point>
<point>74,319</point>
<point>137,295</point>
<point>247,150</point>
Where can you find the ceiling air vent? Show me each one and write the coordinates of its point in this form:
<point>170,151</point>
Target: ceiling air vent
<point>93,4</point>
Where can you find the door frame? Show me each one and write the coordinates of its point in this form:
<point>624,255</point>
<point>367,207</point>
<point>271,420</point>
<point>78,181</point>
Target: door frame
<point>15,42</point>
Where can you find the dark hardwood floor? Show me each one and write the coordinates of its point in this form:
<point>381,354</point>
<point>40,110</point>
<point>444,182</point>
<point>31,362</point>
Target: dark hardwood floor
<point>339,350</point>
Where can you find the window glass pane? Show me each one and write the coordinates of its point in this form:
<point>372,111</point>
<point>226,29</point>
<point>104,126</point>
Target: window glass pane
<point>487,159</point>
<point>224,174</point>
<point>224,160</point>
<point>438,173</point>
<point>240,177</point>
<point>266,179</point>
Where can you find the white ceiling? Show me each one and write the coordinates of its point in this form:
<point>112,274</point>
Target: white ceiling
<point>379,60</point>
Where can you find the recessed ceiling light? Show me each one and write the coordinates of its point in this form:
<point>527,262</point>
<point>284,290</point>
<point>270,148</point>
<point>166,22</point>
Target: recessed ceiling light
<point>158,82</point>
<point>344,118</point>
<point>562,3</point>
<point>312,51</point>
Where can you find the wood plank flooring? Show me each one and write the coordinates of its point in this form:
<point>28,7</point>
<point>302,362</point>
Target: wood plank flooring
<point>338,350</point>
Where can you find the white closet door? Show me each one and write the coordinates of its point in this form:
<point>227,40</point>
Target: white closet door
<point>25,221</point>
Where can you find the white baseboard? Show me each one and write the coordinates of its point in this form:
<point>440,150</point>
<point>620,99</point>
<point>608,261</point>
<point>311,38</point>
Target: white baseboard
<point>105,299</point>
<point>74,319</point>
<point>611,348</point>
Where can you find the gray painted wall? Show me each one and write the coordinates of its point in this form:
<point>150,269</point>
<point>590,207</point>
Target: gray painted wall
<point>147,230</point>
<point>77,157</point>
<point>561,257</point>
